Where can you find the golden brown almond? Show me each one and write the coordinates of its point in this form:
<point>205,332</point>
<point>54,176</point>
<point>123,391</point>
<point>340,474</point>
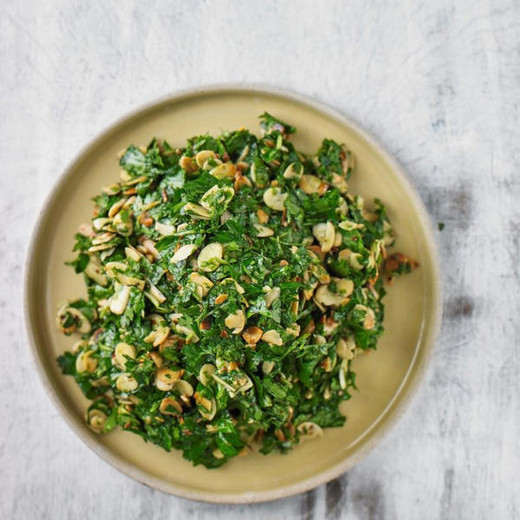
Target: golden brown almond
<point>221,298</point>
<point>252,335</point>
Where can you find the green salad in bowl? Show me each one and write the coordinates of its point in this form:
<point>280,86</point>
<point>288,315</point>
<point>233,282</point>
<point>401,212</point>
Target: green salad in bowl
<point>230,285</point>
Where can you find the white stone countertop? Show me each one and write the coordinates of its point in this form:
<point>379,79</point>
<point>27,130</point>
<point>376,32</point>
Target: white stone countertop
<point>437,82</point>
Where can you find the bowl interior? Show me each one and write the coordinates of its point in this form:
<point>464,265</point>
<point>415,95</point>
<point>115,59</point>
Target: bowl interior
<point>384,377</point>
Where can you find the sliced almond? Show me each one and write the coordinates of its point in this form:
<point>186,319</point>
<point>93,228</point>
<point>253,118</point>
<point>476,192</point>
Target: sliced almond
<point>236,321</point>
<point>311,184</point>
<point>224,171</point>
<point>103,238</point>
<point>122,352</point>
<point>164,229</point>
<point>342,208</point>
<point>86,363</point>
<point>96,420</point>
<point>263,231</point>
<point>95,272</point>
<point>119,300</point>
<point>293,330</point>
<point>340,183</point>
<point>157,336</point>
<point>370,318</point>
<point>165,378</point>
<point>183,253</point>
<point>210,256</point>
<point>293,171</point>
<point>267,367</point>
<point>208,408</point>
<point>349,225</point>
<point>99,224</point>
<point>272,337</point>
<point>188,164</point>
<point>324,234</point>
<point>202,157</point>
<point>155,295</point>
<point>126,383</point>
<point>262,216</point>
<point>203,284</point>
<point>116,207</point>
<point>241,181</point>
<point>198,212</point>
<point>345,348</point>
<point>221,298</point>
<point>351,258</point>
<point>183,387</point>
<point>325,296</point>
<point>252,335</point>
<point>309,430</point>
<point>275,198</point>
<point>206,373</point>
<point>133,253</point>
<point>149,245</point>
<point>170,406</point>
<point>271,296</point>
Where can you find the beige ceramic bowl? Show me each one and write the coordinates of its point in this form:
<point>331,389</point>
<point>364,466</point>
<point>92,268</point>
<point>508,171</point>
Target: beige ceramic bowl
<point>386,378</point>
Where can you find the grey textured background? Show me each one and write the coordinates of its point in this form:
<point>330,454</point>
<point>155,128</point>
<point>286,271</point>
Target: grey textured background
<point>437,82</point>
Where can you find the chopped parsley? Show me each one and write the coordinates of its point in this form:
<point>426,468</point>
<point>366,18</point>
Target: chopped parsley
<point>230,285</point>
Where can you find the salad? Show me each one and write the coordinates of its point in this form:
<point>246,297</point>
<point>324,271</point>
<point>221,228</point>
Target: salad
<point>230,285</point>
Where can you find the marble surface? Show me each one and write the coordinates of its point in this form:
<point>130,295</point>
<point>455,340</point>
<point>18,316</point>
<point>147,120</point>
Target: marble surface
<point>437,82</point>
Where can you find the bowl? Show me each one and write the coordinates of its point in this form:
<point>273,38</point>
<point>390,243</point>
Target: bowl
<point>386,378</point>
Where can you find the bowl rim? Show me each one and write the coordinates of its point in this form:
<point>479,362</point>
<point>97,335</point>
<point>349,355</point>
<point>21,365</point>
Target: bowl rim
<point>412,378</point>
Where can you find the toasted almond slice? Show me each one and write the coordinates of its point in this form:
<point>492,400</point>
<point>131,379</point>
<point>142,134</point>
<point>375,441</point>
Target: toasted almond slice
<point>349,225</point>
<point>351,258</point>
<point>197,211</point>
<point>204,156</point>
<point>203,284</point>
<point>96,420</point>
<point>126,383</point>
<point>262,216</point>
<point>293,171</point>
<point>275,198</point>
<point>157,336</point>
<point>325,296</point>
<point>263,231</point>
<point>221,298</point>
<point>121,352</point>
<point>339,182</point>
<point>183,253</point>
<point>267,367</point>
<point>165,378</point>
<point>325,235</point>
<point>236,321</point>
<point>116,207</point>
<point>309,430</point>
<point>210,256</point>
<point>252,335</point>
<point>170,406</point>
<point>188,164</point>
<point>119,300</point>
<point>271,296</point>
<point>311,184</point>
<point>95,272</point>
<point>369,320</point>
<point>272,337</point>
<point>345,348</point>
<point>224,171</point>
<point>183,387</point>
<point>164,229</point>
<point>206,373</point>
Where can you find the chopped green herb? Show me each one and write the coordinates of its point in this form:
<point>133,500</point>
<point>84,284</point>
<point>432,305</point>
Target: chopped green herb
<point>230,284</point>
